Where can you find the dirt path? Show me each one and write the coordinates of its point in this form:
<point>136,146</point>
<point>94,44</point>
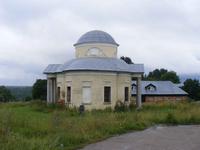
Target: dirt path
<point>155,138</point>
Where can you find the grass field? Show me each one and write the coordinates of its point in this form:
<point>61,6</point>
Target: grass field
<point>34,126</point>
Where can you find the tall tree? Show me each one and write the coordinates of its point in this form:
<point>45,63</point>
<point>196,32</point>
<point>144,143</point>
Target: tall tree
<point>39,90</point>
<point>192,87</point>
<point>154,75</point>
<point>5,94</point>
<point>163,75</point>
<point>171,76</point>
<point>126,59</point>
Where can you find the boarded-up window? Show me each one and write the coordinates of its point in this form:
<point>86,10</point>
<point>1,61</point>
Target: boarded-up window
<point>126,95</point>
<point>69,94</point>
<point>107,94</point>
<point>86,94</point>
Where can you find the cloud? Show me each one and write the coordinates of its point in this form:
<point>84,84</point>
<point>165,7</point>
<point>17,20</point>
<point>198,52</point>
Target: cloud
<point>157,33</point>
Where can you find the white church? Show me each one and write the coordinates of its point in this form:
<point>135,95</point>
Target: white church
<point>96,78</point>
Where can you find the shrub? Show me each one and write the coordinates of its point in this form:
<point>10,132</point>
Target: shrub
<point>72,111</point>
<point>171,119</point>
<point>56,106</point>
<point>132,105</point>
<point>120,106</point>
<point>108,109</point>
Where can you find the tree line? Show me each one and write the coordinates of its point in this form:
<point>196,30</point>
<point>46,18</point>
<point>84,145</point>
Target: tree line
<point>24,93</point>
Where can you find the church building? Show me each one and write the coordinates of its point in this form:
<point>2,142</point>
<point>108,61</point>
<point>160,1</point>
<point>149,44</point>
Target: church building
<point>96,78</point>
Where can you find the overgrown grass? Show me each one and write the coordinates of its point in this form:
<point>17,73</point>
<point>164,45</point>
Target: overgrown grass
<point>33,125</point>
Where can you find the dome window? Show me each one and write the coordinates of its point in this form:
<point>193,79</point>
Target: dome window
<point>94,52</point>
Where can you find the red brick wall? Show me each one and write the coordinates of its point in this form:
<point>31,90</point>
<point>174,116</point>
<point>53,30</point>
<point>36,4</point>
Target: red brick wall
<point>164,98</point>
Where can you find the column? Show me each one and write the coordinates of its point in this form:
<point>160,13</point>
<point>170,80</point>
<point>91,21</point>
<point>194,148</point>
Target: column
<point>53,90</point>
<point>48,92</point>
<point>139,95</point>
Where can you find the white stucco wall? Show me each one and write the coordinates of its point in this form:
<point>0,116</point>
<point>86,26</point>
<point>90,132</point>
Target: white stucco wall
<point>97,81</point>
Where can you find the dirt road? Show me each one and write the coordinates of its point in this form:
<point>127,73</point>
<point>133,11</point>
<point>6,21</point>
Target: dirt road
<point>155,138</point>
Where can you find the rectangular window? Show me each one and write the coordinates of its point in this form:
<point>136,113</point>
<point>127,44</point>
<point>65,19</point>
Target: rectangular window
<point>69,94</point>
<point>58,93</point>
<point>86,95</point>
<point>107,94</point>
<point>126,94</point>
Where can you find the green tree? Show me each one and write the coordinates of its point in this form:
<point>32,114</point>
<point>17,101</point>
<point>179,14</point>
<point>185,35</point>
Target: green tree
<point>39,90</point>
<point>171,76</point>
<point>192,87</point>
<point>5,94</point>
<point>28,98</point>
<point>126,59</point>
<point>163,75</point>
<point>154,75</point>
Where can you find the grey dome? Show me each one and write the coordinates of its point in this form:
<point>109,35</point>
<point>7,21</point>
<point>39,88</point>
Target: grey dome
<point>96,36</point>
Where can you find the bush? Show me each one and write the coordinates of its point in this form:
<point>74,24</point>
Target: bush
<point>171,119</point>
<point>132,105</point>
<point>5,94</point>
<point>120,106</point>
<point>28,98</point>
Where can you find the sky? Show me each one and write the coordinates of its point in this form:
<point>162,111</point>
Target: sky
<point>35,33</point>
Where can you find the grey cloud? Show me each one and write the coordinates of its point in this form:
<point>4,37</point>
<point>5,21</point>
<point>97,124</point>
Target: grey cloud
<point>35,33</point>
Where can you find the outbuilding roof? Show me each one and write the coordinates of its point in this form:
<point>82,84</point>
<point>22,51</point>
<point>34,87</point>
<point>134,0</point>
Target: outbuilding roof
<point>95,64</point>
<point>96,36</point>
<point>162,88</point>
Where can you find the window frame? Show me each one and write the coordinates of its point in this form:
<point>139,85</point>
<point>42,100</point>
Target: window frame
<point>58,92</point>
<point>107,96</point>
<point>69,94</point>
<point>126,94</point>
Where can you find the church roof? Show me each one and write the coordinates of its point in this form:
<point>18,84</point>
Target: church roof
<point>161,88</point>
<point>95,64</point>
<point>96,36</point>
